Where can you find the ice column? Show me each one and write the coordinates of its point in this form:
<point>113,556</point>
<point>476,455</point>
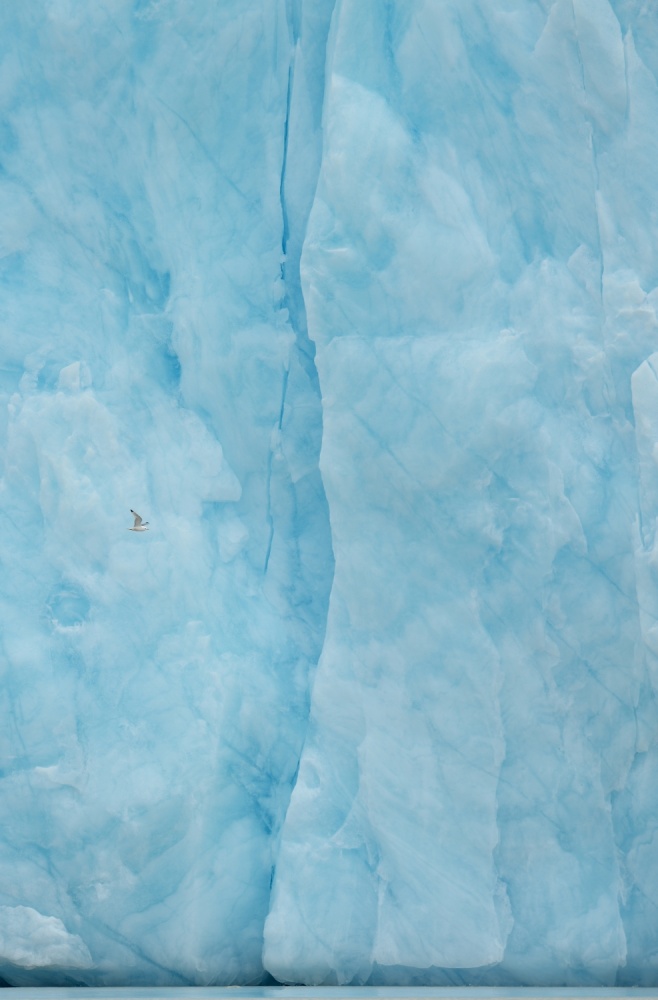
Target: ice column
<point>154,689</point>
<point>473,798</point>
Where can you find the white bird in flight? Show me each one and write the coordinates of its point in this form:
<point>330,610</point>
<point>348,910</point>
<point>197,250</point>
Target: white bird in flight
<point>139,525</point>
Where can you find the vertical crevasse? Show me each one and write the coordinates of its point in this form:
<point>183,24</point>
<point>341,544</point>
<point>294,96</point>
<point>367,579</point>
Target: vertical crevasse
<point>295,486</point>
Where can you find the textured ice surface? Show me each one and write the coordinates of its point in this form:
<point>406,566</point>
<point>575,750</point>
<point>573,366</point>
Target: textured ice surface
<point>155,686</point>
<point>355,302</point>
<point>478,273</point>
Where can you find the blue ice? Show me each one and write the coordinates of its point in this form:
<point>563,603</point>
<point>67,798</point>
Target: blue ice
<point>356,303</point>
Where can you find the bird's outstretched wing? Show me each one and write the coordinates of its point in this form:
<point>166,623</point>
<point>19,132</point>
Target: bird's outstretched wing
<point>138,519</point>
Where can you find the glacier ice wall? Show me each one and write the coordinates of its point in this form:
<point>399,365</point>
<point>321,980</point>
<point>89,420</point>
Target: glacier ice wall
<point>355,302</point>
<point>479,274</point>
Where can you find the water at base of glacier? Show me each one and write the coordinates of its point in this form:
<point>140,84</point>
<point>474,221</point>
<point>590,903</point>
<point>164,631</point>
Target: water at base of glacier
<point>330,993</point>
